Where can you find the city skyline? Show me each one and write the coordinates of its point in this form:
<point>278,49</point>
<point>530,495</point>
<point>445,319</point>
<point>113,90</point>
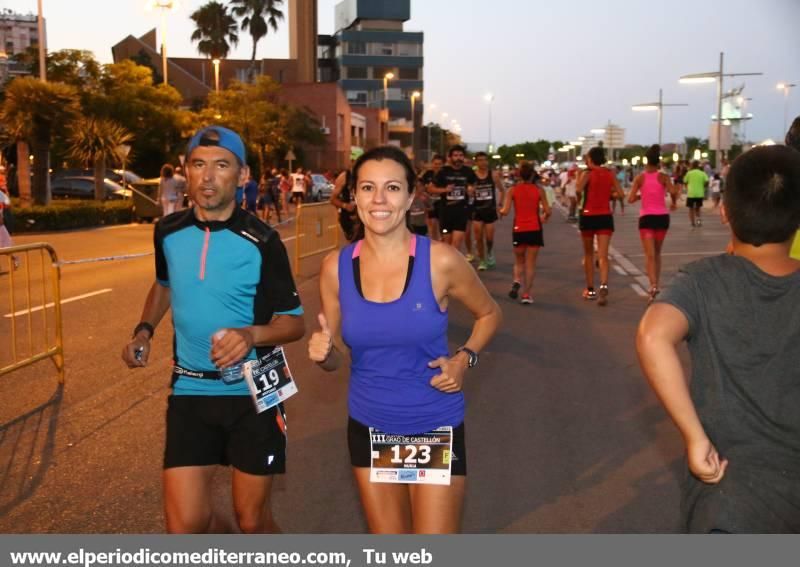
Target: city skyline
<point>553,75</point>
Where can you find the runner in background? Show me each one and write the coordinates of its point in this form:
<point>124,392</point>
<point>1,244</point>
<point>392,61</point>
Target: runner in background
<point>596,187</point>
<point>487,185</point>
<point>426,180</point>
<point>342,199</point>
<point>527,235</point>
<point>793,141</point>
<point>652,187</point>
<point>386,297</point>
<point>571,192</point>
<point>622,181</point>
<point>696,182</point>
<point>454,182</point>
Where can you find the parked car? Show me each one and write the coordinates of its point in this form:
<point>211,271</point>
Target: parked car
<point>321,188</point>
<point>114,175</point>
<point>82,187</point>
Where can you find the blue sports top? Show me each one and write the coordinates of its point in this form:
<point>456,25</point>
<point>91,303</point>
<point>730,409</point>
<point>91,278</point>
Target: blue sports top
<point>391,345</point>
<point>225,274</point>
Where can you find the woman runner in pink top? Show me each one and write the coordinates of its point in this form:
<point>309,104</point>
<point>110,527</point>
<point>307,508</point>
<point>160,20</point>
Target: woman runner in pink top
<point>652,187</point>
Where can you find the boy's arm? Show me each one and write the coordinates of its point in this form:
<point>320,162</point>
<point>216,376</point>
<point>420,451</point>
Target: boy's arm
<point>661,330</point>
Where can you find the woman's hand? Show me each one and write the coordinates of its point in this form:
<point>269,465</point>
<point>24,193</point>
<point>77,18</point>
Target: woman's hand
<point>321,342</point>
<point>452,375</point>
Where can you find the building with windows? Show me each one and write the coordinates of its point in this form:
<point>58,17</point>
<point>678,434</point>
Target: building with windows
<point>18,32</point>
<point>376,62</point>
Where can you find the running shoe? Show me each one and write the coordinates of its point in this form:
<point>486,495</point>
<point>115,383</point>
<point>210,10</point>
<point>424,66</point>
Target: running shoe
<point>603,295</point>
<point>526,299</point>
<point>699,223</point>
<point>514,293</point>
<point>483,266</point>
<point>469,257</point>
<point>589,294</point>
<point>490,261</point>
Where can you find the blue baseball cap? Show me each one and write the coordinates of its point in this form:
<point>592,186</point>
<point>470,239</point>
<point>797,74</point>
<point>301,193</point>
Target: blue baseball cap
<point>221,137</point>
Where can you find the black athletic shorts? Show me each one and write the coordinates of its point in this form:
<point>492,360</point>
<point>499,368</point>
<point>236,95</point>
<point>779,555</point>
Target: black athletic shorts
<point>694,202</point>
<point>434,212</point>
<point>359,444</point>
<point>486,215</point>
<point>654,222</point>
<point>596,222</point>
<point>453,218</point>
<point>528,238</point>
<point>225,430</point>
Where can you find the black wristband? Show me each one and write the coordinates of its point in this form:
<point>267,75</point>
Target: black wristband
<point>144,325</point>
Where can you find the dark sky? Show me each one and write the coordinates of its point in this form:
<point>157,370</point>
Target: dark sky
<point>557,69</point>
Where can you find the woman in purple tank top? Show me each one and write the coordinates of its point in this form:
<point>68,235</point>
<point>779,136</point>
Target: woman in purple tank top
<point>384,303</point>
<point>652,187</point>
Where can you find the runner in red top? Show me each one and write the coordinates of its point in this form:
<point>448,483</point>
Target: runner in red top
<point>596,187</point>
<point>527,236</point>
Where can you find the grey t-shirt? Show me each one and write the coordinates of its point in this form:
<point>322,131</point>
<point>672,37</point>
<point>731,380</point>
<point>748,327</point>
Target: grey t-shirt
<point>744,340</point>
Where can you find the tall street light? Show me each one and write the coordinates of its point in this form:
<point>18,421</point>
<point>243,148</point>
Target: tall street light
<point>386,79</point>
<point>441,132</point>
<point>40,28</point>
<point>215,61</point>
<point>719,77</point>
<point>785,88</point>
<point>414,96</point>
<point>489,97</point>
<point>164,6</point>
<point>659,106</point>
<point>432,107</point>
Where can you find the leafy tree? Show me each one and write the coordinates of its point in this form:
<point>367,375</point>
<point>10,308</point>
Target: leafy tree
<point>98,140</point>
<point>215,31</point>
<point>33,110</point>
<point>269,128</point>
<point>257,17</point>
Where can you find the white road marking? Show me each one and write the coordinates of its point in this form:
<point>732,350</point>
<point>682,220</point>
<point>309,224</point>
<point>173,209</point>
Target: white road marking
<point>643,281</point>
<point>620,271</point>
<point>63,301</point>
<point>683,254</point>
<point>639,291</point>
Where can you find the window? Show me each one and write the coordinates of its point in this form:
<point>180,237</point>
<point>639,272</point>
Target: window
<point>386,49</point>
<point>411,73</point>
<point>357,72</point>
<point>380,72</point>
<point>357,97</point>
<point>405,49</point>
<point>356,48</point>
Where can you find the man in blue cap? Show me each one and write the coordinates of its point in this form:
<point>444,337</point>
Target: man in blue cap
<point>226,277</point>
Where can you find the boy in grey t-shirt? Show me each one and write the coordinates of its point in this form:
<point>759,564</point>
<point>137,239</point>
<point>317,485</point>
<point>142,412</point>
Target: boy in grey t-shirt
<point>740,315</point>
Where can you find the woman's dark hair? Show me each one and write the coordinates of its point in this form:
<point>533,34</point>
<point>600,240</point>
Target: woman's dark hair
<point>526,172</point>
<point>440,157</point>
<point>480,155</point>
<point>793,135</point>
<point>597,155</point>
<point>762,195</point>
<point>392,153</point>
<point>653,154</point>
<point>167,171</point>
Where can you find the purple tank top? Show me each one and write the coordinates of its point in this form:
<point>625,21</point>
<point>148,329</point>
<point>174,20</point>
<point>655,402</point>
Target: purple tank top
<point>653,193</point>
<point>391,345</point>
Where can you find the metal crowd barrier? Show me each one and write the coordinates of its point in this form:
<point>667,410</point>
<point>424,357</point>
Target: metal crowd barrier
<point>43,330</point>
<point>316,231</point>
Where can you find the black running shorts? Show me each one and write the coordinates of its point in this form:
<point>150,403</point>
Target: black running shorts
<point>453,218</point>
<point>528,238</point>
<point>654,222</point>
<point>486,215</point>
<point>694,202</point>
<point>225,430</point>
<point>359,444</point>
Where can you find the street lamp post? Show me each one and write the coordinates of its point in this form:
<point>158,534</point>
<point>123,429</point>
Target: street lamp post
<point>785,88</point>
<point>659,106</point>
<point>386,78</point>
<point>414,96</point>
<point>710,77</point>
<point>441,133</point>
<point>164,6</point>
<point>215,61</point>
<point>489,97</point>
<point>40,28</point>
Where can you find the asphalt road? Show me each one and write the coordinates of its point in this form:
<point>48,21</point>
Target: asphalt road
<point>563,434</point>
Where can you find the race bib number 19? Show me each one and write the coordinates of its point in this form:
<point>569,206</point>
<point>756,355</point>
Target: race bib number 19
<point>411,459</point>
<point>269,380</point>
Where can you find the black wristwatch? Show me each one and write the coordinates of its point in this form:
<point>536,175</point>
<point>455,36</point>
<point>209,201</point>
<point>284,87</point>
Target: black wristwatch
<point>472,360</point>
<point>144,326</point>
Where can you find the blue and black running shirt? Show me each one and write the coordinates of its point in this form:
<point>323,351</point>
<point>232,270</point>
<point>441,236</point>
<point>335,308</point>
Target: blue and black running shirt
<point>221,274</point>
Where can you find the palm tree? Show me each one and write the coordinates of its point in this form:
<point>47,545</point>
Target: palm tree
<point>257,17</point>
<point>216,30</point>
<point>97,140</point>
<point>31,112</point>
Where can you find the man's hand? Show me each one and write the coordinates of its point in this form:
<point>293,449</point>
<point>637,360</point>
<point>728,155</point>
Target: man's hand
<point>452,376</point>
<point>321,342</point>
<point>140,343</point>
<point>705,462</point>
<point>229,346</point>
